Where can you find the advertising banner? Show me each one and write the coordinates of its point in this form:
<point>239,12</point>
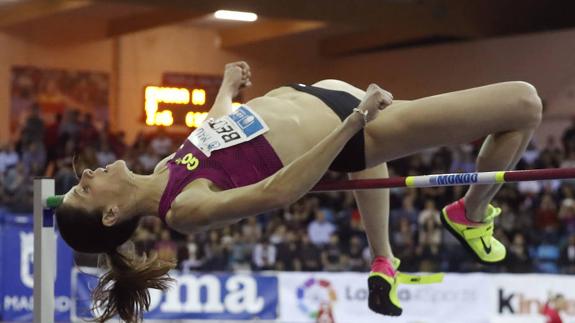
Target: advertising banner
<point>17,270</point>
<point>519,298</point>
<point>460,298</point>
<point>198,296</point>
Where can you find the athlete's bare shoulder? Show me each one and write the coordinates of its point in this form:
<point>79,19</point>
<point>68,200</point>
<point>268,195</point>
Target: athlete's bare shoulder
<point>182,215</point>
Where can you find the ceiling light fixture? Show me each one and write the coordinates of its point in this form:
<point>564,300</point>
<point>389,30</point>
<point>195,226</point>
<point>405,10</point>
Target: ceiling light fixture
<point>235,15</point>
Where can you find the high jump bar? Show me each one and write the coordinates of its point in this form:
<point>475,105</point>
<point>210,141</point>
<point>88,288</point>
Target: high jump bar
<point>452,179</point>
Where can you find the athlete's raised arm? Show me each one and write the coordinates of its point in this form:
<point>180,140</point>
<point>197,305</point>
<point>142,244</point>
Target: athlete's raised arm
<point>191,213</point>
<point>236,77</point>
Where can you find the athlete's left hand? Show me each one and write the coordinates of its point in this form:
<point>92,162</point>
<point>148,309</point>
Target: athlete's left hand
<point>237,75</point>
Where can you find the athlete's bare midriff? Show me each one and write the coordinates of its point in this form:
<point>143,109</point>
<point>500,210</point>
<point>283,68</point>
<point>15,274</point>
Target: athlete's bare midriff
<point>297,121</point>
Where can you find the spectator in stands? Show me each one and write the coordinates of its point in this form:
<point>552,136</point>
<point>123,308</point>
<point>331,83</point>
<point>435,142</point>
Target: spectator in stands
<point>546,255</point>
<point>407,211</point>
<point>251,230</point>
<point>320,230</point>
<point>70,125</point>
<point>567,215</point>
<point>162,144</point>
<point>148,159</point>
<point>216,255</point>
<point>105,154</point>
<point>519,260</point>
<point>332,257</point>
<point>264,255</point>
<point>193,259</point>
<point>240,252</point>
<point>569,160</point>
<point>15,180</point>
<point>567,259</point>
<point>89,134</point>
<point>34,158</point>
<point>568,138</point>
<point>551,309</point>
<point>54,146</point>
<point>288,253</point>
<point>8,157</point>
<point>33,129</point>
<point>546,218</point>
<point>18,189</point>
<point>309,255</point>
<point>278,235</point>
<point>404,243</point>
<point>429,241</point>
<point>356,260</point>
<point>166,247</point>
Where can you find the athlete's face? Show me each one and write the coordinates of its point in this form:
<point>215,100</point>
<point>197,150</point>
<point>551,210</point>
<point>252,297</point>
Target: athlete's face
<point>100,188</point>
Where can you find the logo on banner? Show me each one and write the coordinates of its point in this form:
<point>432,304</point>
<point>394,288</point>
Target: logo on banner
<point>315,297</point>
<point>203,297</point>
<point>26,258</point>
<point>518,303</point>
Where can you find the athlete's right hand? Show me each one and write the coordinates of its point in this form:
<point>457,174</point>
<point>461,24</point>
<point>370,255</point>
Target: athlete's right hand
<point>375,100</point>
<point>237,75</point>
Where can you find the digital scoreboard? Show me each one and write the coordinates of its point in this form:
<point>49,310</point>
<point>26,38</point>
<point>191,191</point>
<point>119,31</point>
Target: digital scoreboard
<point>181,100</point>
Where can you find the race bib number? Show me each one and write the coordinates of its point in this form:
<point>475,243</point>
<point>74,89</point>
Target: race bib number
<point>239,126</point>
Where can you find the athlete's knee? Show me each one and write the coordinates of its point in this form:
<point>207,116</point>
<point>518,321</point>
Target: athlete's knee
<point>527,102</point>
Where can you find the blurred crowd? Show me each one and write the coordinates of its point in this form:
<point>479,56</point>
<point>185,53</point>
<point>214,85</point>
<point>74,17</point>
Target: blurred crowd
<point>320,232</point>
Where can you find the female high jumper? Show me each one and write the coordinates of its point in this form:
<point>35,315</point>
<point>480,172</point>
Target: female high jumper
<point>272,150</point>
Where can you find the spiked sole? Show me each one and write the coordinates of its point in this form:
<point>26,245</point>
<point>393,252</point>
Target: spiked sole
<point>379,300</point>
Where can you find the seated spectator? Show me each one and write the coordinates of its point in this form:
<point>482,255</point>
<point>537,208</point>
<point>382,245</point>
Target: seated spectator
<point>288,253</point>
<point>404,244</point>
<point>264,255</point>
<point>356,261</point>
<point>8,157</point>
<point>568,256</point>
<point>216,255</point>
<point>64,178</point>
<point>332,259</point>
<point>430,211</point>
<point>194,259</point>
<point>105,155</point>
<point>429,239</point>
<point>165,247</point>
<point>251,230</point>
<point>309,255</point>
<point>546,255</point>
<point>148,159</point>
<point>546,217</point>
<point>33,129</point>
<point>568,138</point>
<point>569,160</point>
<point>89,135</point>
<point>407,211</point>
<point>240,253</point>
<point>34,158</point>
<point>15,180</point>
<point>278,234</point>
<point>518,259</point>
<point>162,144</point>
<point>320,230</point>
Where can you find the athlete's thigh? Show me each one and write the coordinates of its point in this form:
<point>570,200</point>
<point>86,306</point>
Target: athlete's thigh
<point>406,127</point>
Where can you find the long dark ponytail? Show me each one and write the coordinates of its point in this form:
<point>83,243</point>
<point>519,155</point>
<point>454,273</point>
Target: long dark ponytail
<point>123,288</point>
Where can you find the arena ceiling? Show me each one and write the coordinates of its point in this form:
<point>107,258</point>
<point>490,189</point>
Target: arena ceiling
<point>343,26</point>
